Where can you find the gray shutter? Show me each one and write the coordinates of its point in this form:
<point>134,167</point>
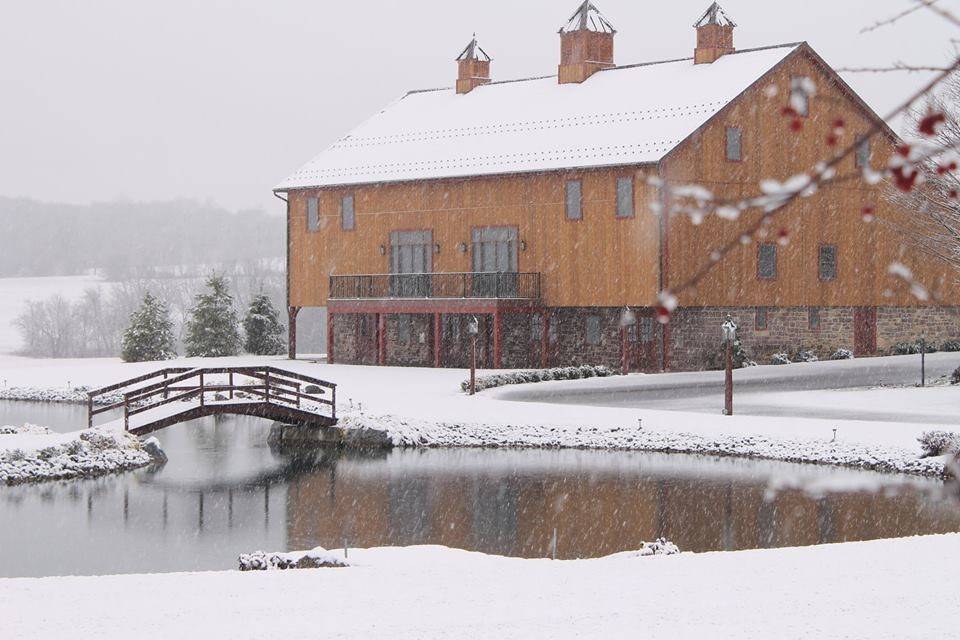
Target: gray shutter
<point>347,220</point>
<point>734,144</point>
<point>574,200</point>
<point>313,214</point>
<point>624,197</point>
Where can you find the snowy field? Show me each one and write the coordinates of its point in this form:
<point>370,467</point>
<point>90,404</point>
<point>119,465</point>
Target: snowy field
<point>884,589</point>
<point>16,292</point>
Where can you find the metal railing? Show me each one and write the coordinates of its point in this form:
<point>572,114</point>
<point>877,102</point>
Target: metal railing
<point>497,285</point>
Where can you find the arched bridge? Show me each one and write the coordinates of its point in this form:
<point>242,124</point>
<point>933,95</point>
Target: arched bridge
<point>169,396</point>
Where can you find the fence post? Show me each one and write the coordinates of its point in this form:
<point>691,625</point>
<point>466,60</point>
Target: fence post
<point>333,407</point>
<point>231,385</point>
<point>126,412</point>
<point>266,380</point>
<point>166,388</point>
<point>89,411</point>
<point>201,388</point>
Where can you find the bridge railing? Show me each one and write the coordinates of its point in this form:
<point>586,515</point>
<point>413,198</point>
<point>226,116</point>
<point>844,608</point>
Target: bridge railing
<point>177,384</point>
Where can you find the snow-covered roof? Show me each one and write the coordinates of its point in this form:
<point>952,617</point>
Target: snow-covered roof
<point>622,116</point>
<point>715,15</point>
<point>588,18</point>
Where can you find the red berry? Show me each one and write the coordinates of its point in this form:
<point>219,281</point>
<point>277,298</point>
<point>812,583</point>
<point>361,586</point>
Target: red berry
<point>796,124</point>
<point>930,123</point>
<point>663,315</point>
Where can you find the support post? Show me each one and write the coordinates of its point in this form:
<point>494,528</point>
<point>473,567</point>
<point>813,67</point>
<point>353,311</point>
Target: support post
<point>126,412</point>
<point>923,362</point>
<point>201,388</point>
<point>473,365</point>
<point>545,341</point>
<point>624,351</point>
<point>381,339</point>
<point>89,411</point>
<point>231,385</point>
<point>330,317</point>
<point>437,341</point>
<point>728,395</point>
<point>292,313</point>
<point>497,340</point>
<point>266,384</point>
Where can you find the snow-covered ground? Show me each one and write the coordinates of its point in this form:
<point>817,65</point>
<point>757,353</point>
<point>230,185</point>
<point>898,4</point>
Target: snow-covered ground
<point>16,292</point>
<point>884,589</point>
<point>426,407</point>
<point>30,453</point>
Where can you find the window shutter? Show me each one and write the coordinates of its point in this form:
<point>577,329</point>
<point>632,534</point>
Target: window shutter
<point>593,330</point>
<point>313,214</point>
<point>767,261</point>
<point>863,154</point>
<point>624,197</point>
<point>347,220</point>
<point>828,263</point>
<point>574,200</point>
<point>734,144</point>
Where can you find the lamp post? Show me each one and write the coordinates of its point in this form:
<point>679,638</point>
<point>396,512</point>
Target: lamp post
<point>473,328</point>
<point>729,336</point>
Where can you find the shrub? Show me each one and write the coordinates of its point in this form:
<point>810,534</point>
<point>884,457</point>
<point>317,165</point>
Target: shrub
<point>938,443</point>
<point>955,376</point>
<point>842,354</point>
<point>539,375</point>
<point>904,349</point>
<point>149,337</point>
<point>805,356</point>
<point>951,346</point>
<point>780,358</point>
<point>213,327</point>
<point>264,333</point>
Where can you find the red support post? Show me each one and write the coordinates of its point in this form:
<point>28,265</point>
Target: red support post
<point>545,341</point>
<point>381,339</point>
<point>497,340</point>
<point>437,341</point>
<point>728,395</point>
<point>625,351</point>
<point>330,318</point>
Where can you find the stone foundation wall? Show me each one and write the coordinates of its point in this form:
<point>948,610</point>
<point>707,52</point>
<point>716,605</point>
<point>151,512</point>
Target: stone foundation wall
<point>410,346</point>
<point>695,332</point>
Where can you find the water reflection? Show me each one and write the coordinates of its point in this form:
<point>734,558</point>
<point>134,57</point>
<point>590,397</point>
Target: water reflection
<point>225,491</point>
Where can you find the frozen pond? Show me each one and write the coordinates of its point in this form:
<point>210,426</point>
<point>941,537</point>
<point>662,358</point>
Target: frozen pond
<point>225,492</point>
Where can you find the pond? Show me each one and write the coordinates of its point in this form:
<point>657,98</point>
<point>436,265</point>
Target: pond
<point>225,492</point>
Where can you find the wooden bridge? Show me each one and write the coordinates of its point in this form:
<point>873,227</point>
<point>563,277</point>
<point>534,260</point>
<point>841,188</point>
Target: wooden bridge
<point>170,396</point>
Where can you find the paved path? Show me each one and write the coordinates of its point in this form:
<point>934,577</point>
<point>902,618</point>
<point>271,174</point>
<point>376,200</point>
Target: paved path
<point>703,391</point>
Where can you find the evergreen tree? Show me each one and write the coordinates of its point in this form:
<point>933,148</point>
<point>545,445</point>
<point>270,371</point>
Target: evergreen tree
<point>213,327</point>
<point>262,328</point>
<point>150,334</point>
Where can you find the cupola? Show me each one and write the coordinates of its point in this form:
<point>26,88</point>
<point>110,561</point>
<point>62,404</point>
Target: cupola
<point>473,67</point>
<point>586,44</point>
<point>714,35</point>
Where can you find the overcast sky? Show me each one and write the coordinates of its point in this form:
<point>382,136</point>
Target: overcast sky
<point>221,99</point>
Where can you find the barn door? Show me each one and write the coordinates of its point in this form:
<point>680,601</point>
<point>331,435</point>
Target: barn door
<point>640,347</point>
<point>865,331</point>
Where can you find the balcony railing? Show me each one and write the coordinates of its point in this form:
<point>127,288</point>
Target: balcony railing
<point>436,285</point>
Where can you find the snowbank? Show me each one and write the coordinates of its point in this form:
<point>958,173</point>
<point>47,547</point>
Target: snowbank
<point>40,394</point>
<point>317,558</point>
<point>405,432</point>
<point>34,454</point>
<point>882,589</point>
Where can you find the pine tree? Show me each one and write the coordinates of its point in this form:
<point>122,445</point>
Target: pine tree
<point>262,328</point>
<point>213,327</point>
<point>150,334</point>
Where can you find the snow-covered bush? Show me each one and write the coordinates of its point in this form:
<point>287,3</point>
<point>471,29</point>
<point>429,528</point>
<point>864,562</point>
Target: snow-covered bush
<point>938,443</point>
<point>316,559</point>
<point>951,346</point>
<point>659,547</point>
<point>149,337</point>
<point>541,375</point>
<point>780,359</point>
<point>213,327</point>
<point>804,355</point>
<point>905,349</point>
<point>842,354</point>
<point>262,328</point>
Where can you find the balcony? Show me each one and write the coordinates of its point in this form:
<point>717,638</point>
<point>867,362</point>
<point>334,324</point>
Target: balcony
<point>436,286</point>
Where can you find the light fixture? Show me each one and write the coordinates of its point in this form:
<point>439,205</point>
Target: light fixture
<point>462,247</point>
<point>523,245</point>
<point>436,248</point>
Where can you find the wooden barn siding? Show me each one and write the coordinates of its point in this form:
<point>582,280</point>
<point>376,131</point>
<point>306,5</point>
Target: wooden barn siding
<point>832,216</point>
<point>598,261</point>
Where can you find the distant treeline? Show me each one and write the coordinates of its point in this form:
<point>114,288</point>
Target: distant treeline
<point>123,240</point>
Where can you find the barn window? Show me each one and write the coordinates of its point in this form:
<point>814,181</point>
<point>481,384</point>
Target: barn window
<point>593,330</point>
<point>828,262</point>
<point>813,317</point>
<point>313,214</point>
<point>767,261</point>
<point>761,321</point>
<point>801,88</point>
<point>404,328</point>
<point>734,144</point>
<point>347,218</point>
<point>574,200</point>
<point>646,329</point>
<point>624,197</point>
<point>863,153</point>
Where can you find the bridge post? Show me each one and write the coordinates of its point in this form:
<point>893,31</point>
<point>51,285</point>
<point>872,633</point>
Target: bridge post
<point>89,411</point>
<point>231,385</point>
<point>201,388</point>
<point>266,380</point>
